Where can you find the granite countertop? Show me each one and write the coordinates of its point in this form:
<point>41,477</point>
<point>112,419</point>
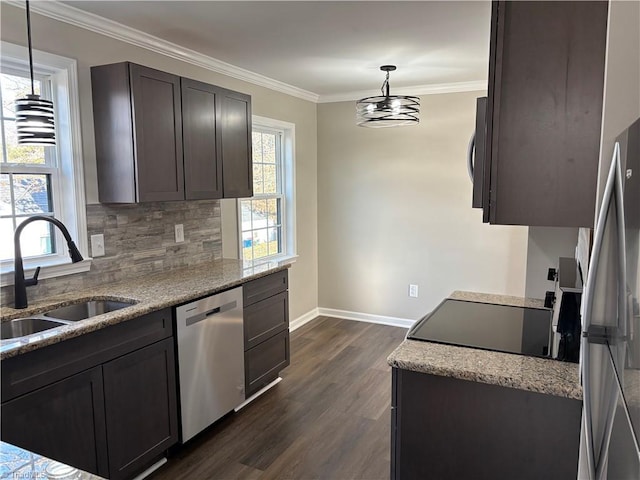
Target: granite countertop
<point>17,463</point>
<point>150,293</point>
<point>540,375</point>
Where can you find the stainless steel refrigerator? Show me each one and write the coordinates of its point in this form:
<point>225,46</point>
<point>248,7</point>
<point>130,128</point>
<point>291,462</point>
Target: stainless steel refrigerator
<point>610,350</point>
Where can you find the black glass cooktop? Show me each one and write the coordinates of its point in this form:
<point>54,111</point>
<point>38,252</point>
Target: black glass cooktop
<point>503,328</point>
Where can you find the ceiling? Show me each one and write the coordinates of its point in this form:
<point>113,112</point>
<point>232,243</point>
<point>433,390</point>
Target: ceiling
<point>333,49</point>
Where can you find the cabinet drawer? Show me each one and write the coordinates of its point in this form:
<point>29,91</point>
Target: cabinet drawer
<point>265,318</point>
<point>31,370</point>
<point>264,287</point>
<point>263,362</point>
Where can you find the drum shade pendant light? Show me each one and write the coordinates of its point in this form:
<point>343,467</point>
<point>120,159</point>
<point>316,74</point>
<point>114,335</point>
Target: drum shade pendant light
<point>387,110</point>
<point>34,115</point>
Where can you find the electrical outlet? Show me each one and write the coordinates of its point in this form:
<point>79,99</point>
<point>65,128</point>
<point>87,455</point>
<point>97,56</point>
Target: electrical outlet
<point>179,233</point>
<point>97,245</point>
<point>413,290</point>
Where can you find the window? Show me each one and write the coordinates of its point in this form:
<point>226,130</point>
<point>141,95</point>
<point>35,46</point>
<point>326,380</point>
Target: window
<point>41,180</point>
<point>266,220</point>
<point>27,175</point>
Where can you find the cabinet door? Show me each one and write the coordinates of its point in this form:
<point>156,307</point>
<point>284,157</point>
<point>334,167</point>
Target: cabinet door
<point>202,170</point>
<point>235,135</point>
<point>446,428</point>
<point>140,405</point>
<point>64,421</point>
<point>546,79</point>
<point>157,121</point>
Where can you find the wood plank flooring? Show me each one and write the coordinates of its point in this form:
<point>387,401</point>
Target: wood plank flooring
<point>329,418</point>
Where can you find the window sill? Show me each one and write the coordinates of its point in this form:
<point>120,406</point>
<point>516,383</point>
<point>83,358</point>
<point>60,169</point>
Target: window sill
<point>282,259</point>
<point>51,269</point>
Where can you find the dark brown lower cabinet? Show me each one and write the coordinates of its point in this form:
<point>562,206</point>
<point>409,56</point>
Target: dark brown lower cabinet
<point>140,406</point>
<point>104,402</point>
<point>266,330</point>
<point>445,428</point>
<point>64,421</point>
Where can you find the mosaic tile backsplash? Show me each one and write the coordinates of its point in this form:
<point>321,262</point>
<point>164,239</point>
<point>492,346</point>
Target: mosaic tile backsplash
<point>140,239</point>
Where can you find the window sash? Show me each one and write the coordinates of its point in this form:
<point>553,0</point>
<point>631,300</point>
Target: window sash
<point>279,226</point>
<point>279,160</point>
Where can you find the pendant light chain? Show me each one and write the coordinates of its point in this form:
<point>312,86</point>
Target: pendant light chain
<point>33,90</point>
<point>385,86</point>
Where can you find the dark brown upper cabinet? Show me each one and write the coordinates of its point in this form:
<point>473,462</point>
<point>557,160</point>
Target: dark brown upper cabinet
<point>160,137</point>
<point>138,126</point>
<point>235,133</point>
<point>202,165</point>
<point>541,137</point>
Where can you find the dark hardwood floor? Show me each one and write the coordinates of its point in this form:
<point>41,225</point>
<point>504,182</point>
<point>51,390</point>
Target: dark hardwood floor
<point>329,418</point>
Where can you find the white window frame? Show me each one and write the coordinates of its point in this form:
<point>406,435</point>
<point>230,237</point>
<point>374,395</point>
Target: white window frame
<point>286,172</point>
<point>68,185</point>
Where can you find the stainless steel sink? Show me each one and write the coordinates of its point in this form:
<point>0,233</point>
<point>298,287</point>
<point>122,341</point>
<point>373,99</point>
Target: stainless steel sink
<point>22,327</point>
<point>83,310</point>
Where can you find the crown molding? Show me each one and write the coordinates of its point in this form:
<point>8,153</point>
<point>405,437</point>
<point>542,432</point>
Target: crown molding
<point>89,21</point>
<point>415,90</point>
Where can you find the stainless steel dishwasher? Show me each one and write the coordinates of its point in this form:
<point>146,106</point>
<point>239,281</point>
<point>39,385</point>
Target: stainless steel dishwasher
<point>210,359</point>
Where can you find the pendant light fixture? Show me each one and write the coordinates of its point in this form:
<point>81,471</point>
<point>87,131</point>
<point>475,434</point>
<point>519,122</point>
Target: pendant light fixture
<point>387,110</point>
<point>34,115</point>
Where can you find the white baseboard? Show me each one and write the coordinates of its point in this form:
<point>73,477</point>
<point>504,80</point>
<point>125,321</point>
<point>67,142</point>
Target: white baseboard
<point>303,319</point>
<point>257,394</point>
<point>366,317</point>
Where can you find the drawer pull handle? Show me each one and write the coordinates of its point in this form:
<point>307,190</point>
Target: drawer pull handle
<point>223,308</point>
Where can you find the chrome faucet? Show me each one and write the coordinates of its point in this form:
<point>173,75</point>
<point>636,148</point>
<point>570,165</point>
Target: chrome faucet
<point>20,284</point>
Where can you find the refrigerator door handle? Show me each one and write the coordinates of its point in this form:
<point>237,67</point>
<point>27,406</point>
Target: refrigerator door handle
<point>612,187</point>
<point>616,356</point>
<point>622,249</point>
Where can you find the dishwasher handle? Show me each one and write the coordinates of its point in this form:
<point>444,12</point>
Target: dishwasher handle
<point>210,313</point>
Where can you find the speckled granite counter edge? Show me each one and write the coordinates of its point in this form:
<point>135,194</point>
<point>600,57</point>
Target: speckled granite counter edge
<point>533,374</point>
<point>18,463</point>
<point>497,299</point>
<point>168,296</point>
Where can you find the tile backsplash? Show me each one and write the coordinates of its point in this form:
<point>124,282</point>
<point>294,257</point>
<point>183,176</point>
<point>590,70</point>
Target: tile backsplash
<point>140,239</point>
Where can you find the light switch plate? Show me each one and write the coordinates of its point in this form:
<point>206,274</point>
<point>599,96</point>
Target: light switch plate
<point>97,245</point>
<point>179,233</point>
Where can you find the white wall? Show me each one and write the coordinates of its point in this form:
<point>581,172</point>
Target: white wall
<point>394,207</point>
<point>89,49</point>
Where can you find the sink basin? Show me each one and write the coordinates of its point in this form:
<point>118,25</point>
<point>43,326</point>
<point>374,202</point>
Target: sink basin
<point>22,327</point>
<point>81,311</point>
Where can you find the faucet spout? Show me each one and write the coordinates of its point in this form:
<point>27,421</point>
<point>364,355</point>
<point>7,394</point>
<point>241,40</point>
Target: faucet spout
<point>20,284</point>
